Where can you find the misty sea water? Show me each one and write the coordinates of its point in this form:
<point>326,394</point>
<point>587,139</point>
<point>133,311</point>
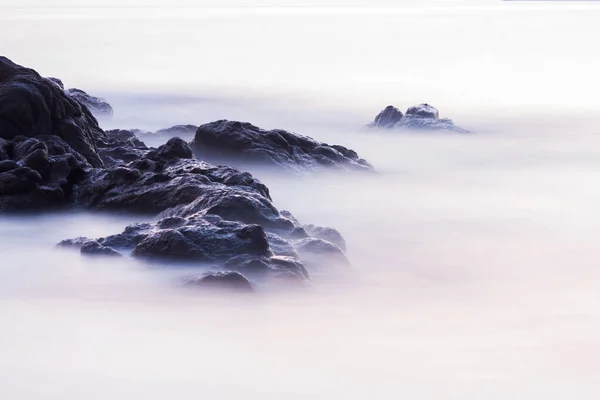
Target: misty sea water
<point>475,263</point>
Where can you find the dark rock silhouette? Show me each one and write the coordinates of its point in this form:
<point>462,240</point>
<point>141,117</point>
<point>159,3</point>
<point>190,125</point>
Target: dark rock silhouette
<point>419,117</point>
<point>96,105</point>
<point>240,143</point>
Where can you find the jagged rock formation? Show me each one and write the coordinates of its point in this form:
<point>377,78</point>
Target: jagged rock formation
<point>32,106</point>
<point>241,143</point>
<point>419,117</point>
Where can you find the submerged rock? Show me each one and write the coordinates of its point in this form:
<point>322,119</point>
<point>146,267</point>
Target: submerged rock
<point>240,143</point>
<point>96,105</point>
<point>419,117</point>
<point>228,280</point>
<point>39,173</point>
<point>178,130</point>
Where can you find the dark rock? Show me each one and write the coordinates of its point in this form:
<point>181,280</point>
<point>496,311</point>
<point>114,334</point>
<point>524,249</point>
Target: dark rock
<point>96,105</point>
<point>51,153</point>
<point>419,117</point>
<point>159,181</point>
<point>42,174</point>
<point>227,280</point>
<point>172,150</point>
<point>120,146</point>
<point>240,143</point>
<point>7,165</point>
<point>57,82</point>
<point>203,240</point>
<point>33,106</point>
<point>125,137</point>
<point>389,117</point>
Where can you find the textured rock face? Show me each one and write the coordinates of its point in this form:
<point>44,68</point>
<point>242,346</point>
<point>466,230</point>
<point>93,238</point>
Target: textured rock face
<point>419,117</point>
<point>208,214</point>
<point>240,143</point>
<point>96,105</point>
<point>38,173</point>
<point>32,106</point>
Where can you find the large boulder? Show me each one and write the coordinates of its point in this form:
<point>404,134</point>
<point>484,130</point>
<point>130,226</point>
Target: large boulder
<point>241,143</point>
<point>33,106</point>
<point>96,105</point>
<point>419,117</point>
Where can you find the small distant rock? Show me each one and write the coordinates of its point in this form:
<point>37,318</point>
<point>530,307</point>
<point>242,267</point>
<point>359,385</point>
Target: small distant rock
<point>389,117</point>
<point>419,117</point>
<point>178,130</point>
<point>96,105</point>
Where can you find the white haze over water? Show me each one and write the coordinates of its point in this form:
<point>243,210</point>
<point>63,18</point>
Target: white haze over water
<point>475,257</point>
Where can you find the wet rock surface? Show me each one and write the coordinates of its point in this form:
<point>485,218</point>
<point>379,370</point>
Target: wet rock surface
<point>419,117</point>
<point>240,143</point>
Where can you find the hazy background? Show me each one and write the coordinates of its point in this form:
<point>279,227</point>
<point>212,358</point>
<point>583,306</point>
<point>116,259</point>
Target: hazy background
<point>475,257</point>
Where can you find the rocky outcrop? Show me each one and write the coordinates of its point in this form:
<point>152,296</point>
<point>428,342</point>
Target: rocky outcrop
<point>96,105</point>
<point>213,216</point>
<point>32,106</point>
<point>419,117</point>
<point>52,153</point>
<point>208,214</point>
<point>241,143</point>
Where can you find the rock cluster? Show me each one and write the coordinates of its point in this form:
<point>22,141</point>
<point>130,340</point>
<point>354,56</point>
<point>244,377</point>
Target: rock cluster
<point>419,117</point>
<point>53,153</point>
